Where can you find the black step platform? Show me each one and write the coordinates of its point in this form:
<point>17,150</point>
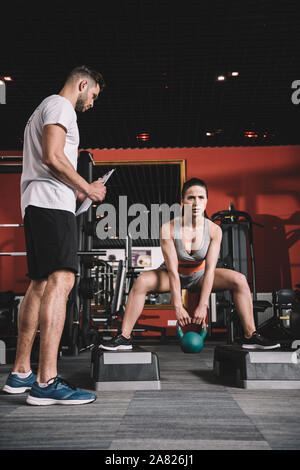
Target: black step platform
<point>136,369</point>
<point>257,369</point>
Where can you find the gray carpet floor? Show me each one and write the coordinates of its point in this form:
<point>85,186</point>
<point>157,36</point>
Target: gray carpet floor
<point>192,411</point>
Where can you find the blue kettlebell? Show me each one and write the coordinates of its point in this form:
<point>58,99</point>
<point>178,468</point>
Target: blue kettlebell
<point>191,342</point>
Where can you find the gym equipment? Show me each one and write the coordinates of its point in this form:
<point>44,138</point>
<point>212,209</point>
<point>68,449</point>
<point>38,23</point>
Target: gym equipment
<point>11,225</point>
<point>257,369</point>
<point>236,247</point>
<point>87,287</point>
<point>191,342</point>
<point>124,370</point>
<point>69,339</point>
<point>11,166</point>
<point>8,326</point>
<point>8,314</point>
<point>237,228</point>
<point>2,352</point>
<point>284,325</point>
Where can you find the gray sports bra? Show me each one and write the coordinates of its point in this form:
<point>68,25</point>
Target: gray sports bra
<point>198,255</point>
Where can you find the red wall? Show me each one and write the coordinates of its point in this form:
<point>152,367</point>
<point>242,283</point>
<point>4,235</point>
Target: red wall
<point>263,181</point>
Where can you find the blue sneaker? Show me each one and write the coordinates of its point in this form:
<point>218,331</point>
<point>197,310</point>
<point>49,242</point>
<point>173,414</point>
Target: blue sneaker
<point>15,384</point>
<point>58,392</point>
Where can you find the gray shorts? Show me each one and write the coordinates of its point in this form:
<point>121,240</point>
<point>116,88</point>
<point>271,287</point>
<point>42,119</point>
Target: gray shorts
<point>188,281</point>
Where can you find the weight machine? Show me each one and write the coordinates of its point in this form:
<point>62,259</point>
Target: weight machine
<point>236,251</point>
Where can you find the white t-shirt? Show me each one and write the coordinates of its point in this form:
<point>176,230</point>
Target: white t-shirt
<point>39,187</point>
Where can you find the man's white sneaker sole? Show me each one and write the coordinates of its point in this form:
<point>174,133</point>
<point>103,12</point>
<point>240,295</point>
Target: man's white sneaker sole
<point>51,401</point>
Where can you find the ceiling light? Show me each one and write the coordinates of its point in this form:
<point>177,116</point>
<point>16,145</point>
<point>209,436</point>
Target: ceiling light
<point>221,78</point>
<point>234,74</point>
<point>7,79</point>
<point>250,134</point>
<point>143,136</point>
<point>209,134</point>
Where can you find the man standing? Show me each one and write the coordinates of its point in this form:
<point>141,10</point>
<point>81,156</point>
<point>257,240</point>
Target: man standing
<point>50,185</point>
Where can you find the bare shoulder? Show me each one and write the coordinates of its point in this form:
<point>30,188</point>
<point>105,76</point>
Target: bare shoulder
<point>215,230</point>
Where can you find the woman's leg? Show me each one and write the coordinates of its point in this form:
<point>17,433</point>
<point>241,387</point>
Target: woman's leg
<point>227,279</point>
<point>156,280</point>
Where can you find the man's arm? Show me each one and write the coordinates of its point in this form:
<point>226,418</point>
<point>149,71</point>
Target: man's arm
<point>53,143</point>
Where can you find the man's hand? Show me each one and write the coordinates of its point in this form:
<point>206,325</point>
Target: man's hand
<point>97,191</point>
<point>182,316</point>
<point>81,196</point>
<point>199,317</point>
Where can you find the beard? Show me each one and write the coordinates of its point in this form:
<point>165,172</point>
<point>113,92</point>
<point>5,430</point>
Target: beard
<point>81,102</point>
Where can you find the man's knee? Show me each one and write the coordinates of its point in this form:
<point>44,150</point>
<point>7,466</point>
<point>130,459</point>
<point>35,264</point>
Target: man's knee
<point>62,280</point>
<point>37,287</point>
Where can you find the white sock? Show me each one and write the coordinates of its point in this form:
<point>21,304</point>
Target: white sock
<point>41,384</point>
<point>22,375</point>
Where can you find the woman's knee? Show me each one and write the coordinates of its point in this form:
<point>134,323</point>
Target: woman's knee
<point>141,284</point>
<point>146,282</point>
<point>240,281</point>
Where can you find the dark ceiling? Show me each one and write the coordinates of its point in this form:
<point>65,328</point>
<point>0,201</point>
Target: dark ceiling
<point>160,60</point>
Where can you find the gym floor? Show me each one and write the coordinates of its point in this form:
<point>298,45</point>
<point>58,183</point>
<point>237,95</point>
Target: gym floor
<point>192,411</point>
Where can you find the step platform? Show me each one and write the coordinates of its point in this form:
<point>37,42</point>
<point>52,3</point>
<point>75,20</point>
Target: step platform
<point>257,369</point>
<point>8,347</point>
<point>136,369</point>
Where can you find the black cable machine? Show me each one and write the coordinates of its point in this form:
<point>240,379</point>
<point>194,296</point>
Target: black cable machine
<point>236,253</point>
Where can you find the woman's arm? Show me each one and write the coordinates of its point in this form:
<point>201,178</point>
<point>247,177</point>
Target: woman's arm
<point>208,278</point>
<point>171,261</point>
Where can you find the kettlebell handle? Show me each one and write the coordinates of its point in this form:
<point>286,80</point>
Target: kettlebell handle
<point>180,329</point>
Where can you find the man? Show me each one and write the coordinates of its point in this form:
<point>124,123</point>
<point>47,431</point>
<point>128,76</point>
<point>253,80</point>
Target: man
<point>49,187</point>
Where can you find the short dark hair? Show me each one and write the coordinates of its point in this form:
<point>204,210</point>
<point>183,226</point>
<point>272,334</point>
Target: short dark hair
<point>193,182</point>
<point>84,71</point>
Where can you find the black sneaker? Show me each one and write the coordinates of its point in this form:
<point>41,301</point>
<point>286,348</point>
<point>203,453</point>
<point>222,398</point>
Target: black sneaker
<point>118,343</point>
<point>257,341</point>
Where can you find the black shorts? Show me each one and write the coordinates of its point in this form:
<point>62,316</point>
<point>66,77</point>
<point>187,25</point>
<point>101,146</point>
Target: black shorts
<point>51,241</point>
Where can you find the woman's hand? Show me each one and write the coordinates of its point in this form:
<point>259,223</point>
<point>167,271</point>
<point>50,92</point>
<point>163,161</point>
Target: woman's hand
<point>182,316</point>
<point>199,317</point>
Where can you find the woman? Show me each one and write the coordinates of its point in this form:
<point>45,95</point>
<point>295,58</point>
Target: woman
<point>190,247</point>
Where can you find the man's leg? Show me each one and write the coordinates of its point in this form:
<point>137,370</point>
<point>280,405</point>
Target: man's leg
<point>28,321</point>
<point>52,319</point>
